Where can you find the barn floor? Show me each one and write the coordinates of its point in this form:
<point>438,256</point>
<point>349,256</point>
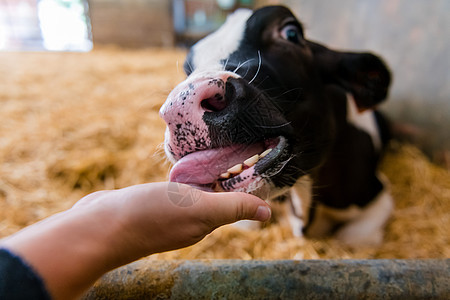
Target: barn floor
<point>73,123</point>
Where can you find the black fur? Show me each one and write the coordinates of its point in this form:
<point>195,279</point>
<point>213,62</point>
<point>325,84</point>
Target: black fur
<point>299,91</point>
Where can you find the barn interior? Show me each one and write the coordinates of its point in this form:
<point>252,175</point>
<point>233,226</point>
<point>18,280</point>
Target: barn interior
<point>80,96</point>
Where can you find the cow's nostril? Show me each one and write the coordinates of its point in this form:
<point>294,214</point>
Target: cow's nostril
<point>215,103</point>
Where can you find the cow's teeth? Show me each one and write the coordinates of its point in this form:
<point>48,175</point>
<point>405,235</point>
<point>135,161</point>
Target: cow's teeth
<point>251,161</point>
<point>265,153</point>
<point>235,169</point>
<point>225,175</point>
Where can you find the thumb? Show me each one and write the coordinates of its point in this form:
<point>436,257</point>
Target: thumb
<point>225,208</point>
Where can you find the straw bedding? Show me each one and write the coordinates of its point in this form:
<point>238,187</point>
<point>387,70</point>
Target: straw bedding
<point>74,123</point>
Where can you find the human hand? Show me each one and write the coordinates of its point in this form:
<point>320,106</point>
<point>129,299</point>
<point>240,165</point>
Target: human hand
<point>163,216</point>
<point>107,229</point>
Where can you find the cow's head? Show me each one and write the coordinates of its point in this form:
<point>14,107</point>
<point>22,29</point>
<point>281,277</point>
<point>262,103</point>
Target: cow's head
<point>257,84</point>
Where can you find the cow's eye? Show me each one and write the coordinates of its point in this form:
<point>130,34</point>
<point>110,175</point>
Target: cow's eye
<point>291,33</point>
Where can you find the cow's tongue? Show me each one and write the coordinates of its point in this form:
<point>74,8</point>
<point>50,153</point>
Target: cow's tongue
<point>204,167</point>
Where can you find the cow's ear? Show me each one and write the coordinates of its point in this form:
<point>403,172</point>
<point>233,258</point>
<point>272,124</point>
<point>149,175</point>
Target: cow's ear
<point>364,75</point>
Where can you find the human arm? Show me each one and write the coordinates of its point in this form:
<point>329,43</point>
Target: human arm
<point>107,229</point>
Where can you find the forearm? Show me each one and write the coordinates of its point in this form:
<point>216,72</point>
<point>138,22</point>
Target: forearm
<point>67,251</point>
<point>108,229</point>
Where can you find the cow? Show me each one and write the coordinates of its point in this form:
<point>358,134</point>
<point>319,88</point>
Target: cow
<point>266,111</point>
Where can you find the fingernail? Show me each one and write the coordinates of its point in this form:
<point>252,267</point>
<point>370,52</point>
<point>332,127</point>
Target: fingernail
<point>263,213</point>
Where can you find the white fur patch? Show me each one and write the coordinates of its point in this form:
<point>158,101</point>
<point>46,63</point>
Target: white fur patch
<point>367,229</point>
<point>363,226</point>
<point>209,52</point>
<point>166,146</point>
<point>363,120</point>
<point>300,198</point>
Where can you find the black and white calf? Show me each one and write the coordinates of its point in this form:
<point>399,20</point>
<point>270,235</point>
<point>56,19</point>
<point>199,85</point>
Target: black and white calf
<point>266,111</point>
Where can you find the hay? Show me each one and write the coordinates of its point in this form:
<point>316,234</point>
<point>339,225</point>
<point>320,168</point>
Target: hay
<point>75,123</point>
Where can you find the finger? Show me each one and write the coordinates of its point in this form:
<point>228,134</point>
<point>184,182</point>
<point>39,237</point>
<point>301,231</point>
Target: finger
<point>225,208</point>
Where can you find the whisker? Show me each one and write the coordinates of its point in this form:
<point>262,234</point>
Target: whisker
<point>282,165</point>
<point>159,151</point>
<point>246,72</point>
<point>259,67</point>
<point>240,65</point>
<point>289,91</point>
<point>160,156</point>
<point>274,126</point>
<point>225,65</point>
<point>191,69</point>
<point>262,81</point>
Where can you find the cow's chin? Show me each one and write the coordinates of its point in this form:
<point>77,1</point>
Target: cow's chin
<point>235,168</point>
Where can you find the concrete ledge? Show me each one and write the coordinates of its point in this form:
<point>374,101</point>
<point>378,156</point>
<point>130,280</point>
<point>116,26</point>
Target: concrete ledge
<point>281,279</point>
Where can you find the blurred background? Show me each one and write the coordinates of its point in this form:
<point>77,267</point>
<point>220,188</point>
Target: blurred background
<point>83,81</point>
<point>411,35</point>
